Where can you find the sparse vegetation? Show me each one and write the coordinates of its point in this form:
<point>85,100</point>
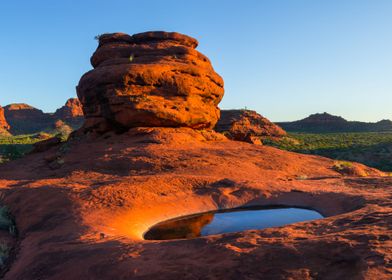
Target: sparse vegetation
<point>63,130</point>
<point>372,149</point>
<point>341,165</point>
<point>6,220</point>
<point>4,253</point>
<point>6,223</point>
<point>14,147</point>
<point>302,177</point>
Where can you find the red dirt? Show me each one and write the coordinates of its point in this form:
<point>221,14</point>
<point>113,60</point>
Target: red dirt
<point>84,217</point>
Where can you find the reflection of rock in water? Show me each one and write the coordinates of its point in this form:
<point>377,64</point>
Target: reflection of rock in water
<point>177,229</point>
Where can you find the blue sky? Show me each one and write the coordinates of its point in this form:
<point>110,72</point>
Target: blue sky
<point>284,58</point>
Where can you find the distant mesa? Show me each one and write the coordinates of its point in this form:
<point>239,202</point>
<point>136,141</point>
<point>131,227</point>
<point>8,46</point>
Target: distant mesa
<point>319,123</point>
<point>25,119</point>
<point>248,126</point>
<point>21,118</point>
<point>149,79</point>
<point>324,118</point>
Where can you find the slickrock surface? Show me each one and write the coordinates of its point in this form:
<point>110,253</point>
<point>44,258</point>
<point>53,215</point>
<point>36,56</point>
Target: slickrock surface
<point>81,210</point>
<point>149,79</point>
<point>247,126</point>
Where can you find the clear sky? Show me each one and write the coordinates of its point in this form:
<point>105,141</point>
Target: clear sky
<point>284,58</point>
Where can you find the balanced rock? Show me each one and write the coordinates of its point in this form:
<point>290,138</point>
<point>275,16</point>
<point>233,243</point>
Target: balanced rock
<point>247,126</point>
<point>149,79</point>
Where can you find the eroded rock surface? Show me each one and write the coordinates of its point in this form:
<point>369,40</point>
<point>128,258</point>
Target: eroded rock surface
<point>149,79</point>
<point>83,215</point>
<point>247,126</point>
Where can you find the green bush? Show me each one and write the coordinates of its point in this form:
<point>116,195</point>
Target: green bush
<point>4,253</point>
<point>6,221</point>
<point>370,148</point>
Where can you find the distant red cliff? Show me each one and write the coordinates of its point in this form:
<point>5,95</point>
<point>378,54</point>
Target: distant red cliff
<point>21,118</point>
<point>4,126</point>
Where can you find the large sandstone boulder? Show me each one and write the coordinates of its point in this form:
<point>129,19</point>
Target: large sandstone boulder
<point>247,126</point>
<point>149,79</point>
<point>4,126</point>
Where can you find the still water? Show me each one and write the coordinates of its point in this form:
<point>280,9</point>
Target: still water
<point>225,221</point>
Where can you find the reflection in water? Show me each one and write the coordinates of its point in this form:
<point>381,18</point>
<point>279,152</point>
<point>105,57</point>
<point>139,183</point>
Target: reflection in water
<point>225,221</point>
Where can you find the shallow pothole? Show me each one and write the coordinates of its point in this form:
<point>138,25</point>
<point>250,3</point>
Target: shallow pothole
<point>229,221</point>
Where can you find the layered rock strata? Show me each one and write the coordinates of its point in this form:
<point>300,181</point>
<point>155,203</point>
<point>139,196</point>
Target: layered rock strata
<point>152,79</point>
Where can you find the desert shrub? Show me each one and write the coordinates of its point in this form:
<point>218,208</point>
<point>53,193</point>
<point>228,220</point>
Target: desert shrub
<point>370,148</point>
<point>4,253</point>
<point>10,152</point>
<point>227,134</point>
<point>341,165</point>
<point>62,130</point>
<point>348,168</point>
<point>302,177</point>
<point>6,220</point>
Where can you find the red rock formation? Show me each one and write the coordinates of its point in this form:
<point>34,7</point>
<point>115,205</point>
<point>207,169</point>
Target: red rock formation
<point>70,114</point>
<point>4,126</point>
<point>247,126</point>
<point>82,208</point>
<point>90,204</point>
<point>149,79</point>
<point>71,109</point>
<point>24,119</point>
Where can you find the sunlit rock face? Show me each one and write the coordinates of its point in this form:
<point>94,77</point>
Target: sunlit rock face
<point>4,127</point>
<point>25,119</point>
<point>71,109</point>
<point>248,126</point>
<point>149,79</point>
